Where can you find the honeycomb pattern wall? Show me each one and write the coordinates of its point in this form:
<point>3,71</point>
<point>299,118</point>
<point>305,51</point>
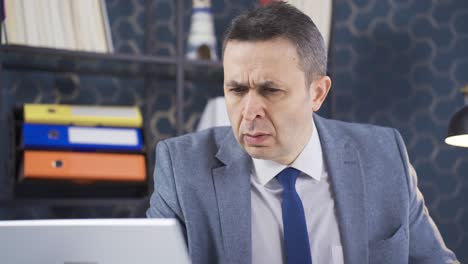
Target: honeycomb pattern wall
<point>401,64</point>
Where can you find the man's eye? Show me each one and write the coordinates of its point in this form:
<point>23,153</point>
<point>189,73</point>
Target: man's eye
<point>237,90</point>
<point>270,90</point>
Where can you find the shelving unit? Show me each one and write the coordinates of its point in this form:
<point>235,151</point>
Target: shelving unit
<point>13,203</point>
<point>144,66</point>
<point>18,57</point>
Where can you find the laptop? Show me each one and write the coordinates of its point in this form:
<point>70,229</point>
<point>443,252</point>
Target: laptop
<point>93,241</point>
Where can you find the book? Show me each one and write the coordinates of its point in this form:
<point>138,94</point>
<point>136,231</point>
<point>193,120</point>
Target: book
<point>76,166</point>
<point>39,136</point>
<point>114,116</point>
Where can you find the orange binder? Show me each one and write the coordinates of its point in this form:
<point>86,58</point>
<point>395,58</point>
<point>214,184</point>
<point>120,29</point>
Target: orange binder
<point>57,165</point>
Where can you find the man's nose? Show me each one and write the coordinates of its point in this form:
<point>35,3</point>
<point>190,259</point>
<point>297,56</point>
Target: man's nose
<point>253,106</point>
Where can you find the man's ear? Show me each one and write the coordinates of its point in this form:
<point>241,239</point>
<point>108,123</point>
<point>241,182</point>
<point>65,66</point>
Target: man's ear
<point>319,89</point>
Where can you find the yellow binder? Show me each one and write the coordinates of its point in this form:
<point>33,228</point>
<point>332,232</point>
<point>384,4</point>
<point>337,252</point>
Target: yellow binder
<point>83,115</point>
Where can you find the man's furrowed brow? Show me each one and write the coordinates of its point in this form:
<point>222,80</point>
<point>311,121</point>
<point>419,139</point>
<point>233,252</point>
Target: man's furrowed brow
<point>267,84</point>
<point>234,83</point>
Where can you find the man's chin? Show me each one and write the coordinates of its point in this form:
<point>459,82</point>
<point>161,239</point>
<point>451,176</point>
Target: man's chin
<point>259,152</point>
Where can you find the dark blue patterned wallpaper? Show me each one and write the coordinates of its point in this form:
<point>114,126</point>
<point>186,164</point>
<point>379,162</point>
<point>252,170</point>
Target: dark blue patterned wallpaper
<point>401,64</point>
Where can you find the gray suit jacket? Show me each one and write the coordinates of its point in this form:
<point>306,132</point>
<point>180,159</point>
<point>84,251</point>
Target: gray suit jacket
<point>203,180</point>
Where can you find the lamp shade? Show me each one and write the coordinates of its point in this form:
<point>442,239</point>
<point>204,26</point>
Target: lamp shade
<point>458,129</point>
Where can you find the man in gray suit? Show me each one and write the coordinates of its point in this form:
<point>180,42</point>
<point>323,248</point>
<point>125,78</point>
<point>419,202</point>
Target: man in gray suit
<point>282,184</point>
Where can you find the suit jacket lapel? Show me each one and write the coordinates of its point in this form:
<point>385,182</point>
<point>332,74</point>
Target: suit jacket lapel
<point>232,187</point>
<point>342,160</point>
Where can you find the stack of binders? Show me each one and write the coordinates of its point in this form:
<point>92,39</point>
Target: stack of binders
<point>82,144</point>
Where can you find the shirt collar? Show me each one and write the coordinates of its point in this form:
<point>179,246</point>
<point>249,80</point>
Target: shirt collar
<point>309,162</point>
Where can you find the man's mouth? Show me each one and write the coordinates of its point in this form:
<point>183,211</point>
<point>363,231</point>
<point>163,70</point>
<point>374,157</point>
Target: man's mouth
<point>255,138</point>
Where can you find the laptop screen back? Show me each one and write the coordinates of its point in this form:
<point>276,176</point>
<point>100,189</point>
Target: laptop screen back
<point>109,241</point>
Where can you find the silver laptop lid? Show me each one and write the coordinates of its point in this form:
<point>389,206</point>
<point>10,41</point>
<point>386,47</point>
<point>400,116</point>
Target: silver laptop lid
<point>97,241</point>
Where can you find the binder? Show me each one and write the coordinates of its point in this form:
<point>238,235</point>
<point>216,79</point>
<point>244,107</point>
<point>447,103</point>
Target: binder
<point>59,165</point>
<point>81,138</point>
<point>83,115</point>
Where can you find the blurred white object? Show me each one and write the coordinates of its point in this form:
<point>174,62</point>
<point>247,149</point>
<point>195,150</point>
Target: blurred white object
<point>202,39</point>
<point>215,114</point>
<point>320,11</point>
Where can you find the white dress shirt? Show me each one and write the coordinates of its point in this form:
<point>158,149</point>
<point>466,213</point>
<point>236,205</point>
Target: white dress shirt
<point>314,188</point>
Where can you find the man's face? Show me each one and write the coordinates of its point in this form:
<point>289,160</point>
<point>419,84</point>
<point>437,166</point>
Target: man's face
<point>268,102</point>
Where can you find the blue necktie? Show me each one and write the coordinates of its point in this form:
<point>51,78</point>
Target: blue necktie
<point>296,239</point>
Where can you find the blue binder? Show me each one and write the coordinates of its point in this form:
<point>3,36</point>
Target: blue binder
<point>39,136</point>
